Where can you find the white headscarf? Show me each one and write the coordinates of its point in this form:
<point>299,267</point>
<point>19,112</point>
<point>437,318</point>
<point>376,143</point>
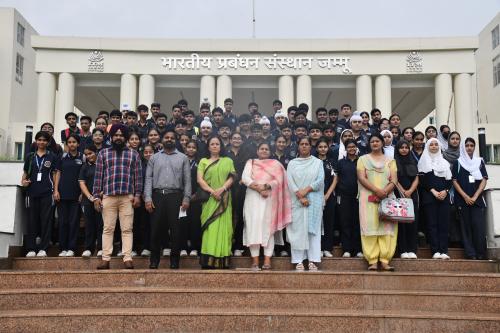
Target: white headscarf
<point>472,165</point>
<point>342,151</point>
<point>388,150</point>
<point>264,121</point>
<point>206,122</point>
<point>434,161</point>
<point>280,113</point>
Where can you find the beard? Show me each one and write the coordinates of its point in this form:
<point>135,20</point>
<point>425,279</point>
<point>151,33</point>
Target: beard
<point>168,145</point>
<point>118,146</point>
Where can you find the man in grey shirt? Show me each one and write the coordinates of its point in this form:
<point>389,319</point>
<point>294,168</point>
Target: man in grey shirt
<point>167,190</point>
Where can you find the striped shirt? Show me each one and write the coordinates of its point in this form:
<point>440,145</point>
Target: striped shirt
<point>118,174</point>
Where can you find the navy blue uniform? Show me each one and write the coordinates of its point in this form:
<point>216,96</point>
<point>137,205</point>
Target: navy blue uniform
<point>472,218</point>
<point>39,201</point>
<point>68,208</point>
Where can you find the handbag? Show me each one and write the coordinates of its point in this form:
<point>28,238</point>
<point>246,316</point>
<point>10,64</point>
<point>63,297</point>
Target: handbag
<point>201,195</point>
<point>396,210</point>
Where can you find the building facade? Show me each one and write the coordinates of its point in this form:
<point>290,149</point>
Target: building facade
<point>18,81</point>
<point>414,77</point>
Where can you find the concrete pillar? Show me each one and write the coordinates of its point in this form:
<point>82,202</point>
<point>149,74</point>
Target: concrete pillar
<point>304,93</point>
<point>65,102</point>
<point>128,92</point>
<point>464,115</point>
<point>364,93</point>
<point>285,88</point>
<point>46,103</point>
<point>224,89</point>
<point>443,92</point>
<point>383,98</point>
<point>207,89</point>
<point>146,90</point>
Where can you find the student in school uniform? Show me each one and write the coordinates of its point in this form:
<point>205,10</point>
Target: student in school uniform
<point>38,174</point>
<point>469,180</point>
<point>66,194</point>
<point>93,218</point>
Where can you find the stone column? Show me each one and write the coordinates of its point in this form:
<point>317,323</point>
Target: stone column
<point>224,89</point>
<point>364,93</point>
<point>46,100</point>
<point>65,102</point>
<point>207,89</point>
<point>285,88</point>
<point>383,99</point>
<point>304,93</point>
<point>464,115</point>
<point>128,92</point>
<point>146,89</point>
<point>443,92</point>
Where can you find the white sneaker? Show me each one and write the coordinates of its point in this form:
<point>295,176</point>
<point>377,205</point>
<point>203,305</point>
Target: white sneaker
<point>193,253</point>
<point>437,255</point>
<point>238,253</point>
<point>86,254</point>
<point>62,254</point>
<point>283,254</point>
<point>41,253</point>
<point>360,255</point>
<point>99,253</point>
<point>183,253</point>
<point>445,256</point>
<point>346,255</point>
<point>31,254</point>
<point>327,254</point>
<point>166,252</point>
<point>412,255</point>
<point>405,255</point>
<point>133,254</point>
<point>120,254</point>
<point>145,253</point>
<point>70,253</point>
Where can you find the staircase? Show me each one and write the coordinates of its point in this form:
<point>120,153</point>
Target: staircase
<point>68,295</point>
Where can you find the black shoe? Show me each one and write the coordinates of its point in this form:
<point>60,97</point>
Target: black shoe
<point>153,265</point>
<point>174,262</point>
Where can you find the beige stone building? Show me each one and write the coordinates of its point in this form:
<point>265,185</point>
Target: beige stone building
<point>449,79</point>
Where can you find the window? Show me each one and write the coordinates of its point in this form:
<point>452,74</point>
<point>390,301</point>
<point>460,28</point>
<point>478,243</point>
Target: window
<point>496,71</point>
<point>496,154</point>
<point>19,68</point>
<point>20,34</point>
<point>495,37</point>
<point>431,120</point>
<point>19,150</point>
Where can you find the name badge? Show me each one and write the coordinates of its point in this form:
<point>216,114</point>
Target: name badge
<point>472,179</point>
<point>39,177</point>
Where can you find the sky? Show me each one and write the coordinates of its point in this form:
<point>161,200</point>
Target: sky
<point>273,18</point>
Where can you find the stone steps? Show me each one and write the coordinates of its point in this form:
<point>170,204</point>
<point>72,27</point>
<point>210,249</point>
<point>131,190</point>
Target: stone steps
<point>279,263</point>
<point>56,294</point>
<point>231,320</point>
<point>251,298</point>
<point>237,279</point>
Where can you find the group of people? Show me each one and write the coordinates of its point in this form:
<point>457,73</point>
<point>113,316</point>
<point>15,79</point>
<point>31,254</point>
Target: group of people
<point>213,184</point>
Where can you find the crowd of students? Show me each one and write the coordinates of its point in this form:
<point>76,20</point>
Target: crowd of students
<point>212,185</point>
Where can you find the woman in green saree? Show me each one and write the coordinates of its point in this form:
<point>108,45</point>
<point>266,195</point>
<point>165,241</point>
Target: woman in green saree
<point>216,174</point>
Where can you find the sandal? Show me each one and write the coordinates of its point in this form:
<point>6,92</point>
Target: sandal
<point>266,267</point>
<point>387,267</point>
<point>299,267</point>
<point>312,267</point>
<point>255,267</point>
<point>373,267</point>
